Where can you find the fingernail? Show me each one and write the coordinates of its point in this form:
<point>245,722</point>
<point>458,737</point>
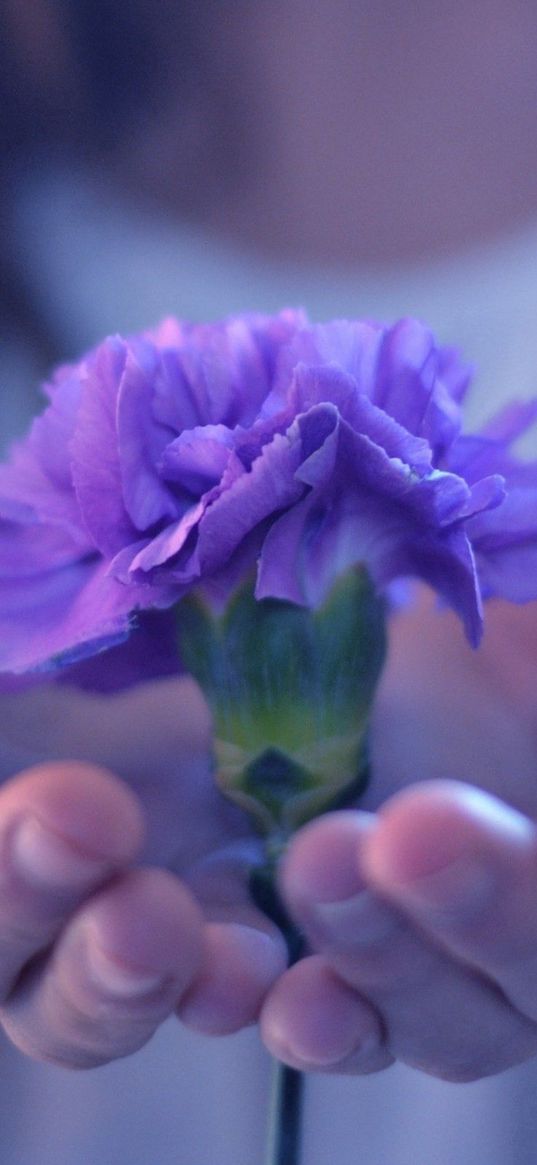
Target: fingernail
<point>464,886</point>
<point>351,1053</point>
<point>355,922</point>
<point>117,979</point>
<point>343,1045</point>
<point>45,857</point>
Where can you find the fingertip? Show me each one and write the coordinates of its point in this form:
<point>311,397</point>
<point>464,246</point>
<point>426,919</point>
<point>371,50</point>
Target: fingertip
<point>239,966</point>
<point>151,922</point>
<point>116,973</point>
<point>313,1021</point>
<point>322,863</point>
<point>91,808</point>
<point>432,825</point>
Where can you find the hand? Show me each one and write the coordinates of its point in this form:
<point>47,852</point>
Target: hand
<point>98,942</point>
<point>423,916</point>
<point>219,965</point>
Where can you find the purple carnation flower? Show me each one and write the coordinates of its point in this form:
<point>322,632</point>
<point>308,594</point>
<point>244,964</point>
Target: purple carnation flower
<point>182,457</point>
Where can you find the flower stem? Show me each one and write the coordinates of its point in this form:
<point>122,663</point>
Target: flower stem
<point>285,1115</point>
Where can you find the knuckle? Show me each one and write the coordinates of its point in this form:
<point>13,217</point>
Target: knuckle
<point>74,1036</point>
<point>22,940</point>
<point>47,1048</point>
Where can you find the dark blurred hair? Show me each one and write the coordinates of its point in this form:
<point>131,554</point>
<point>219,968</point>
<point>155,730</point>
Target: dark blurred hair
<point>73,75</point>
<point>118,55</point>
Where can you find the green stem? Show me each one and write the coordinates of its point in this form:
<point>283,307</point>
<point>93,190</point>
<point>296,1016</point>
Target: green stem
<point>285,1116</point>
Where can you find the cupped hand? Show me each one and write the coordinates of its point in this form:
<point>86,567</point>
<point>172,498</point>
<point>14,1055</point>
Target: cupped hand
<point>123,898</point>
<point>421,916</point>
<point>144,908</point>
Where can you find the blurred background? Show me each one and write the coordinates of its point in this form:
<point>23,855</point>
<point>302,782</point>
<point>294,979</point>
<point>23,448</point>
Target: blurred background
<point>375,157</point>
<point>208,157</point>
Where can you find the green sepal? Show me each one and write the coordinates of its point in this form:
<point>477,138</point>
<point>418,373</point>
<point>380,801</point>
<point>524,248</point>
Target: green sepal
<point>290,691</point>
<point>282,791</point>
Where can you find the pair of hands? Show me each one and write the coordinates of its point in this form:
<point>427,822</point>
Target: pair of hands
<point>123,878</point>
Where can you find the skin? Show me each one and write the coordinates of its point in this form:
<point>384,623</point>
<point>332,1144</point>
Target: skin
<point>124,877</point>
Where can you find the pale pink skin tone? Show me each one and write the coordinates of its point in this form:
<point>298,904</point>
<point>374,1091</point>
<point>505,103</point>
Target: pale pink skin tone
<point>435,967</point>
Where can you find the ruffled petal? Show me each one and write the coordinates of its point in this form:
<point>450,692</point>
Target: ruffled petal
<point>352,347</point>
<point>313,543</point>
<point>420,385</point>
<point>176,458</point>
<point>35,484</point>
<point>505,544</point>
<point>96,470</point>
<point>329,385</point>
<point>269,487</point>
<point>197,458</point>
<point>140,442</point>
<point>55,618</point>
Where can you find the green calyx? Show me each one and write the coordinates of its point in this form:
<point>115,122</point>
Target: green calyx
<point>290,690</point>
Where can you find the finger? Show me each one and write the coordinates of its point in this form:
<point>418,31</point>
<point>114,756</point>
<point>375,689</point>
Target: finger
<point>115,974</point>
<point>64,830</point>
<point>464,866</point>
<point>244,952</point>
<point>240,965</point>
<point>439,1015</point>
<point>315,1022</point>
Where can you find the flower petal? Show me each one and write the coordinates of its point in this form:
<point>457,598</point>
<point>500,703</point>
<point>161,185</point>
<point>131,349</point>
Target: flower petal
<point>197,458</point>
<point>420,385</point>
<point>96,471</point>
<point>505,544</point>
<point>314,542</point>
<point>35,484</point>
<point>329,385</point>
<point>140,442</point>
<point>65,613</point>
<point>26,546</point>
<point>270,486</point>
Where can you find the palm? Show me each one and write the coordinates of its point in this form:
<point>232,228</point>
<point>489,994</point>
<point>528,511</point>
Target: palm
<point>155,736</point>
<point>446,711</point>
